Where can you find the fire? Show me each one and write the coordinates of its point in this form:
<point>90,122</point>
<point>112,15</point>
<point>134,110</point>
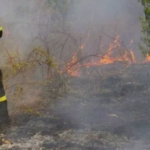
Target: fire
<point>124,56</point>
<point>133,56</point>
<point>131,42</point>
<point>72,66</point>
<point>82,47</point>
<point>147,58</point>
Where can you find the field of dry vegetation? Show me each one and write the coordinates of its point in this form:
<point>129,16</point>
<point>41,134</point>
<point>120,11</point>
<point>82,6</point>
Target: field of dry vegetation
<point>70,87</point>
<point>98,101</point>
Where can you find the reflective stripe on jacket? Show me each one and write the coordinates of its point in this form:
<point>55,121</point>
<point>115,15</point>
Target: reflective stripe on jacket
<point>2,91</point>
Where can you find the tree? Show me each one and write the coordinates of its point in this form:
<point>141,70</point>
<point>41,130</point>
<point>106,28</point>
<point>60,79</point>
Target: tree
<point>145,22</point>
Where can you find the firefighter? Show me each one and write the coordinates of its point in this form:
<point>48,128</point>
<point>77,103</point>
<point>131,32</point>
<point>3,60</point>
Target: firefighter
<point>4,117</point>
<point>1,31</point>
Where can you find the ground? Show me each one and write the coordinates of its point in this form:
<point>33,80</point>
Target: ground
<point>106,112</point>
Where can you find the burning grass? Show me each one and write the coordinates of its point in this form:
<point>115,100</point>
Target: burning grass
<point>116,53</point>
<point>39,69</point>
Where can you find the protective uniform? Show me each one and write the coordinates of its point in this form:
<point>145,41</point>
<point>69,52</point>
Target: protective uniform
<point>4,117</point>
<point>1,31</point>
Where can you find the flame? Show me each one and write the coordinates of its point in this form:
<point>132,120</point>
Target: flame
<point>124,56</point>
<point>127,58</point>
<point>131,42</point>
<point>147,59</point>
<point>133,56</point>
<point>72,66</point>
<point>82,46</point>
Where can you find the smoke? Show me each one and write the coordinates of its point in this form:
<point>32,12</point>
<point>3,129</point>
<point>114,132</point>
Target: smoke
<point>119,17</point>
<point>23,19</point>
<point>26,19</point>
<point>87,19</point>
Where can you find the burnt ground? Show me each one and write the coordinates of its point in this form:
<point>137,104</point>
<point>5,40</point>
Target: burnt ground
<point>106,112</point>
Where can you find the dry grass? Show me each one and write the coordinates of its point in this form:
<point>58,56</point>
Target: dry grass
<point>25,79</point>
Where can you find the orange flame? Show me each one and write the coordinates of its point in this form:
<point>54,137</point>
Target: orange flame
<point>147,59</point>
<point>126,57</point>
<point>82,47</point>
<point>131,42</point>
<point>73,67</point>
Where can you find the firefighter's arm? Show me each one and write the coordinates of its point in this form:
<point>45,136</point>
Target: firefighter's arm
<point>1,31</point>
